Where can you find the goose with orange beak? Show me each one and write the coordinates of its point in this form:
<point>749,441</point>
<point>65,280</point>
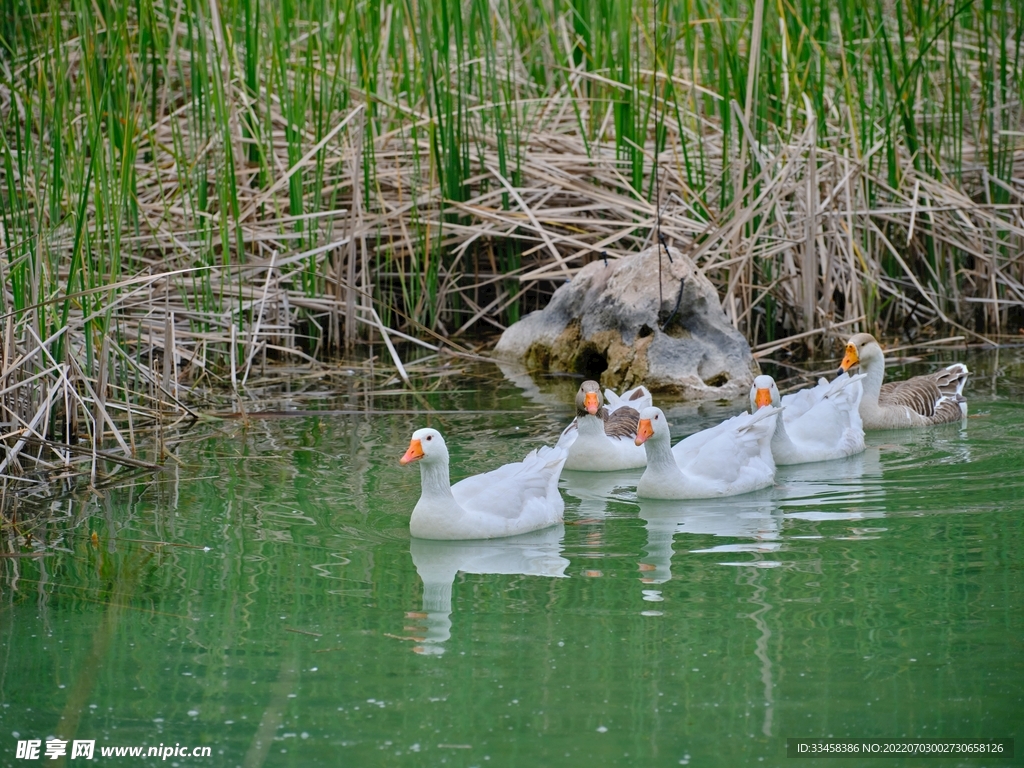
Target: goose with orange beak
<point>921,401</point>
<point>512,499</point>
<point>732,458</point>
<point>607,427</point>
<point>818,423</point>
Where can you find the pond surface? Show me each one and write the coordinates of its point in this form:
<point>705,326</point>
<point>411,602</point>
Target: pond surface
<point>263,597</point>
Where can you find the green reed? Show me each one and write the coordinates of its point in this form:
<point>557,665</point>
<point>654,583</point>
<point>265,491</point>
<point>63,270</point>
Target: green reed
<point>151,135</point>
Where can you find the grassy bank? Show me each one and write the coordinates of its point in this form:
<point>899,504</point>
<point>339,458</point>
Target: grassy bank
<point>189,188</point>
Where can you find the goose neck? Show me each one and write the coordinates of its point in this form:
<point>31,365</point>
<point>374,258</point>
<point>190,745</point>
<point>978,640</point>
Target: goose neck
<point>434,480</point>
<point>659,454</point>
<point>780,435</point>
<point>590,426</point>
<point>872,382</point>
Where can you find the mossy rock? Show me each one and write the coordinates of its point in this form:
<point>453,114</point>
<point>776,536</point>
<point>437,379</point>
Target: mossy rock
<point>616,323</point>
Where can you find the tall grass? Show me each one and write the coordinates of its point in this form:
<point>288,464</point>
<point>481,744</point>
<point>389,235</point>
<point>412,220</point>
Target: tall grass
<point>188,187</point>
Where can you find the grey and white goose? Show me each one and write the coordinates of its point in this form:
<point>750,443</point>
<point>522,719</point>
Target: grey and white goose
<point>605,442</point>
<point>934,398</point>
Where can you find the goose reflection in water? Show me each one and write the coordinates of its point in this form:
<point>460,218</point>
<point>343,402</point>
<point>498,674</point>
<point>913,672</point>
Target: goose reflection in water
<point>594,492</point>
<point>753,516</point>
<point>596,489</point>
<point>755,524</point>
<point>438,562</point>
<point>844,489</point>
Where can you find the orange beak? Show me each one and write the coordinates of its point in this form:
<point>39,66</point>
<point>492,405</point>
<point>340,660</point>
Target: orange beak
<point>763,398</point>
<point>850,359</point>
<point>644,431</point>
<point>414,453</point>
<point>590,402</point>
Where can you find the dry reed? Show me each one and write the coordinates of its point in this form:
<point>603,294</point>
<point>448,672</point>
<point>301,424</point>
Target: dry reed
<point>230,192</point>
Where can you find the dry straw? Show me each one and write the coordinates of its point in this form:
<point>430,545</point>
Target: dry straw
<point>191,189</point>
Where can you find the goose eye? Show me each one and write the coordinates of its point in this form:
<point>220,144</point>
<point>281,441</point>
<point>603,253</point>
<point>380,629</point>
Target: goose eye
<point>430,437</point>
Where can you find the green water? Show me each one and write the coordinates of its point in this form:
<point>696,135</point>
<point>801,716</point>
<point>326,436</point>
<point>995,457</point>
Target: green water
<point>287,618</point>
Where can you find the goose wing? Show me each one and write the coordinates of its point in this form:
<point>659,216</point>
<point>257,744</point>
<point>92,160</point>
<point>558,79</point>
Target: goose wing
<point>731,435</point>
<point>505,491</point>
<point>936,396</point>
<point>622,422</point>
<point>737,451</point>
<point>800,402</point>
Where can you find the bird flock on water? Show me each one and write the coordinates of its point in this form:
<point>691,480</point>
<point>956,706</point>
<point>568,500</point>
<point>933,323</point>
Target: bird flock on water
<point>612,432</point>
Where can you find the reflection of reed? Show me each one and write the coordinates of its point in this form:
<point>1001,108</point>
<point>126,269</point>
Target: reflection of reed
<point>553,402</point>
<point>273,714</point>
<point>533,554</point>
<point>125,574</point>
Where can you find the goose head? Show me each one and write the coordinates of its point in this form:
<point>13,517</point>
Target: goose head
<point>427,445</point>
<point>589,399</point>
<point>764,392</point>
<point>652,424</point>
<point>863,350</point>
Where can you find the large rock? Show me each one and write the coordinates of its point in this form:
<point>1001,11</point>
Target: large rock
<point>608,322</point>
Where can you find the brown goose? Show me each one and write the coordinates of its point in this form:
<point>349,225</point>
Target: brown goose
<point>606,434</point>
<point>934,398</point>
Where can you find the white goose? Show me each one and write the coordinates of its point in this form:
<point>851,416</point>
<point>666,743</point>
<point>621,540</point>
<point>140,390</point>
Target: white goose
<point>732,458</point>
<point>819,423</point>
<point>606,432</point>
<point>513,499</point>
<point>934,398</point>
